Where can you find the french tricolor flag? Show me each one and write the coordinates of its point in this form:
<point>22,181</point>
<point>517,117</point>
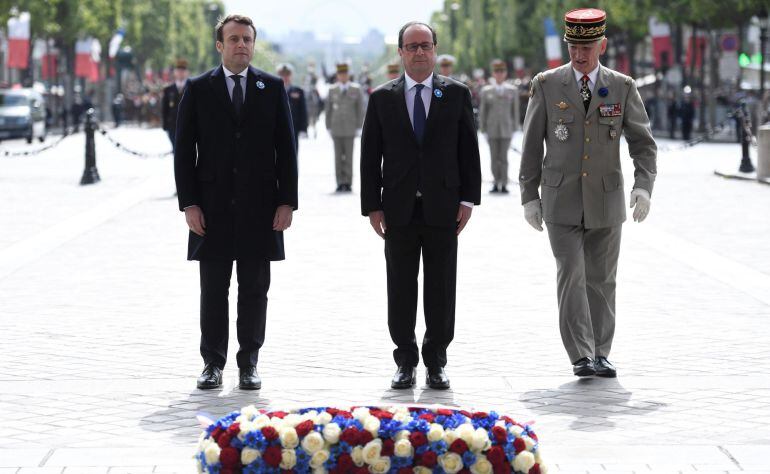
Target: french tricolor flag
<point>87,55</point>
<point>18,41</point>
<point>552,44</point>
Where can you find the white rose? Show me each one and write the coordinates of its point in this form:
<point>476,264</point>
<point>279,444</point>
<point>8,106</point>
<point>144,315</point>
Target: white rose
<point>523,461</point>
<point>538,456</point>
<point>357,454</point>
<point>422,470</point>
<point>372,451</point>
<point>403,448</point>
<point>292,420</point>
<point>479,440</point>
<point>528,442</point>
<point>323,418</point>
<point>465,432</point>
<point>500,423</point>
<point>289,438</point>
<point>403,434</point>
<point>245,428</point>
<point>250,412</point>
<point>450,437</point>
<point>320,470</point>
<point>212,453</point>
<point>435,433</point>
<point>372,425</point>
<point>203,442</point>
<point>249,455</point>
<point>319,458</point>
<point>380,466</point>
<point>313,442</point>
<point>332,433</point>
<point>277,423</point>
<point>288,458</point>
<point>361,413</point>
<point>261,421</point>
<point>402,416</point>
<point>482,466</point>
<point>451,462</point>
<point>516,430</point>
<point>543,469</point>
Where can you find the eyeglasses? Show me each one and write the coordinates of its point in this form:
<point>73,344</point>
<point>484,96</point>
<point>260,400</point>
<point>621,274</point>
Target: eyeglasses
<point>413,47</point>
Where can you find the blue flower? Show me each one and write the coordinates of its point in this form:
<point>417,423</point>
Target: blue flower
<point>603,92</point>
<point>469,459</point>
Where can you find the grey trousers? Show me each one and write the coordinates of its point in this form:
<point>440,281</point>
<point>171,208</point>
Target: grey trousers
<point>343,159</point>
<point>586,265</point>
<point>498,149</point>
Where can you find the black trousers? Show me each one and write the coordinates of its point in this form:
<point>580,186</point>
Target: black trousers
<point>253,283</point>
<point>438,246</point>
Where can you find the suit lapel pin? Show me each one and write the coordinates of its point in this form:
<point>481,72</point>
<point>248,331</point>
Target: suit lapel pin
<point>562,105</point>
<point>438,93</point>
<point>603,92</point>
<point>260,85</point>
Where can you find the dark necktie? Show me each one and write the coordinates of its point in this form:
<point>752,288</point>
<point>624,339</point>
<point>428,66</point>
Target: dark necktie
<point>419,113</point>
<point>237,94</point>
<point>585,92</point>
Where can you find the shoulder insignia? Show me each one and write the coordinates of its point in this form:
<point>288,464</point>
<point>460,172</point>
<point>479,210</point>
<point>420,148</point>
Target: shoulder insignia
<point>541,77</point>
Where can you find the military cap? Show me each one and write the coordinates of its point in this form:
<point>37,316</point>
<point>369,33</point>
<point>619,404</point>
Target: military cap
<point>499,65</point>
<point>446,60</point>
<point>285,69</point>
<point>584,25</point>
<point>394,68</point>
<point>343,67</point>
<point>180,63</point>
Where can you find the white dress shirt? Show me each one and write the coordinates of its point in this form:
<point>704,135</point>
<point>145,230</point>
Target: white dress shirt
<point>231,82</point>
<point>592,76</point>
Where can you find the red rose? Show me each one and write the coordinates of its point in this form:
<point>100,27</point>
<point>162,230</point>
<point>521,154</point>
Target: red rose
<point>458,446</point>
<point>480,414</point>
<point>332,411</point>
<point>364,437</point>
<point>444,411</point>
<point>304,428</point>
<point>405,470</point>
<point>361,470</point>
<point>224,440</point>
<point>277,414</point>
<point>466,413</point>
<point>269,433</point>
<point>496,456</point>
<point>429,417</point>
<point>230,458</point>
<point>508,419</point>
<point>535,469</point>
<point>217,433</point>
<point>501,436</point>
<point>344,414</point>
<point>272,456</point>
<point>464,470</point>
<point>344,462</point>
<point>418,439</point>
<point>234,429</point>
<point>387,447</point>
<point>520,445</point>
<point>533,435</point>
<point>428,459</point>
<point>350,436</point>
<point>503,469</point>
<point>381,414</point>
<point>226,470</point>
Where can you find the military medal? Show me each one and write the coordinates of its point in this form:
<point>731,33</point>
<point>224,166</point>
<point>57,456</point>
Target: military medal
<point>613,133</point>
<point>562,105</point>
<point>561,132</point>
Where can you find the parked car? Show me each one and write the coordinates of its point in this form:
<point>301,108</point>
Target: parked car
<point>22,114</point>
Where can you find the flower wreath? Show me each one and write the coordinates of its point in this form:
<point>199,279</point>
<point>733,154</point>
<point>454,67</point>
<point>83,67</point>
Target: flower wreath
<point>393,440</point>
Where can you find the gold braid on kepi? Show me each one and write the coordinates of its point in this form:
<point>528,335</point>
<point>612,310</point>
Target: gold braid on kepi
<point>584,25</point>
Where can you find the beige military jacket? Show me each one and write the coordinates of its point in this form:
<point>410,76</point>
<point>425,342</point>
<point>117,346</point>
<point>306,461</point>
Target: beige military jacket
<point>497,115</point>
<point>344,111</point>
<point>579,176</point>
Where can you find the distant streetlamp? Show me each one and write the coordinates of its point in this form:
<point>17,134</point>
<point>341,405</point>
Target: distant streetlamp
<point>763,24</point>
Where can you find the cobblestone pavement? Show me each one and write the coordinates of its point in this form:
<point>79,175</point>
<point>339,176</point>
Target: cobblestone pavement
<point>98,316</point>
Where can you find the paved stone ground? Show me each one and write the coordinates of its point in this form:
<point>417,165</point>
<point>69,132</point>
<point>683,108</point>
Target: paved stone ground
<point>98,316</point>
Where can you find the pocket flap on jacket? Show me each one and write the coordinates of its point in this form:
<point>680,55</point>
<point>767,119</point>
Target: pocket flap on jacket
<point>552,178</point>
<point>612,181</point>
<point>564,117</point>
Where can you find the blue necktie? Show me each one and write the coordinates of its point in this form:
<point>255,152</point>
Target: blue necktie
<point>419,113</point>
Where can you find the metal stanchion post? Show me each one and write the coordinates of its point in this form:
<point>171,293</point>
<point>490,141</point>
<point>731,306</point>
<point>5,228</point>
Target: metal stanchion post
<point>90,173</point>
<point>746,165</point>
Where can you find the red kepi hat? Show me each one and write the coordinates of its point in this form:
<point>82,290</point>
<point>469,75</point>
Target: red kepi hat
<point>584,25</point>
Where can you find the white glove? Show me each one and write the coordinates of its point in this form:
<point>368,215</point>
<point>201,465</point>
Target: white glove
<point>533,213</point>
<point>640,199</point>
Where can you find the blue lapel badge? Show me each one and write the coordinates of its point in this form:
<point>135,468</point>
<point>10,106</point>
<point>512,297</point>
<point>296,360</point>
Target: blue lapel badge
<point>438,93</point>
<point>603,92</point>
<point>260,85</point>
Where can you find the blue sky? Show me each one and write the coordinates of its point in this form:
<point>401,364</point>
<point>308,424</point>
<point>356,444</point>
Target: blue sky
<point>341,17</point>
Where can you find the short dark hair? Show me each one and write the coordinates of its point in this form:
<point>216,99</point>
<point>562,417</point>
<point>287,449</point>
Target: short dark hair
<point>413,23</point>
<point>242,19</point>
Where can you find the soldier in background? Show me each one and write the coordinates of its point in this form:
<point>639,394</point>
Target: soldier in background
<point>172,94</point>
<point>313,100</point>
<point>297,102</point>
<point>446,65</point>
<point>393,71</point>
<point>344,116</point>
<point>497,117</point>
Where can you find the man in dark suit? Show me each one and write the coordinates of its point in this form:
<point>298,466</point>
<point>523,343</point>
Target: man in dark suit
<point>297,102</point>
<point>171,95</point>
<point>236,177</point>
<point>420,174</point>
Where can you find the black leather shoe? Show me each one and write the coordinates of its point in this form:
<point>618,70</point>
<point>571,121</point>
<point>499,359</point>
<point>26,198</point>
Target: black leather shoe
<point>504,190</point>
<point>494,189</point>
<point>604,368</point>
<point>248,379</point>
<point>584,367</point>
<point>339,189</point>
<point>211,377</point>
<point>405,377</point>
<point>436,378</point>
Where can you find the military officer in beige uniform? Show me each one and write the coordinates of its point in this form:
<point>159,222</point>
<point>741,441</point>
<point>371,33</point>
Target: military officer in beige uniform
<point>344,117</point>
<point>497,117</point>
<point>580,110</point>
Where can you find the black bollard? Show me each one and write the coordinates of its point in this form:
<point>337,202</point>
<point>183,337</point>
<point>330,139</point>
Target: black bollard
<point>746,165</point>
<point>90,173</point>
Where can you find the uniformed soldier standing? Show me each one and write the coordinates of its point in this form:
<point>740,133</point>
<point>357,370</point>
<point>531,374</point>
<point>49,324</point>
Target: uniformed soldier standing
<point>446,65</point>
<point>580,110</point>
<point>394,71</point>
<point>172,94</point>
<point>297,103</point>
<point>497,118</point>
<point>344,116</point>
